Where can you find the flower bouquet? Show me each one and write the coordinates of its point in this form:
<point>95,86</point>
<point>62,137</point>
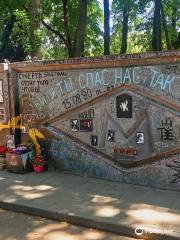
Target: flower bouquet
<point>23,148</point>
<point>20,150</point>
<point>3,151</point>
<point>38,163</point>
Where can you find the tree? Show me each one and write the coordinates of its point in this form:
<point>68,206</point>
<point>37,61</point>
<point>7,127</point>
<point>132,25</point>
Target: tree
<point>124,15</point>
<point>164,24</point>
<point>34,11</point>
<point>175,17</point>
<point>74,28</point>
<point>10,46</point>
<point>93,44</point>
<point>106,27</point>
<point>81,29</point>
<point>54,39</point>
<point>73,42</point>
<point>125,29</point>
<point>5,38</point>
<point>156,35</point>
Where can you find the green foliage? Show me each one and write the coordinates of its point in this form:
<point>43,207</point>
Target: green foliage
<point>16,27</point>
<point>94,34</point>
<point>21,30</point>
<point>53,15</point>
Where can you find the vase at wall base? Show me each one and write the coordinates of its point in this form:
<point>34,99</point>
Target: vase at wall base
<point>38,169</point>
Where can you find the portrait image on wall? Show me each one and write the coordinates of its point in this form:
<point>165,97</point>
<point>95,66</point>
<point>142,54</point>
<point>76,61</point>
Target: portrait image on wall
<point>94,140</point>
<point>124,106</point>
<point>111,136</point>
<point>140,138</point>
<point>2,114</point>
<point>1,91</point>
<point>74,125</point>
<point>24,129</point>
<point>86,125</point>
<point>10,141</point>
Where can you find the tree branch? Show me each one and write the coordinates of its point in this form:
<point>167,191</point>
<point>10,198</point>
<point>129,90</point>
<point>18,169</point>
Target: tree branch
<point>54,31</point>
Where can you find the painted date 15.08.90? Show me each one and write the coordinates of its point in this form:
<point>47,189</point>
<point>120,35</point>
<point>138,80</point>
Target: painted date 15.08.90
<point>77,99</point>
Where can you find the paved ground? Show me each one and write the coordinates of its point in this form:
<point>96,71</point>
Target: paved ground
<point>96,203</point>
<point>18,226</point>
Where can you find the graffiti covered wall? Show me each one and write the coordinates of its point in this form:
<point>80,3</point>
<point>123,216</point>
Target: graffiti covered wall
<point>4,105</point>
<point>115,121</point>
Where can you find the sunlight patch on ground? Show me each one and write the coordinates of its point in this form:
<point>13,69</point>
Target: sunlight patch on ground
<point>32,192</point>
<point>44,187</point>
<point>50,231</point>
<point>152,215</point>
<point>93,235</point>
<point>10,200</point>
<point>18,181</point>
<point>21,187</point>
<point>102,199</point>
<point>60,232</point>
<point>106,211</point>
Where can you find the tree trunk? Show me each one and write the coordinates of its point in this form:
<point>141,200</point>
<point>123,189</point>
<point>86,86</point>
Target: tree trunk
<point>75,48</point>
<point>6,36</point>
<point>66,29</point>
<point>174,12</point>
<point>174,34</point>
<point>81,28</point>
<point>10,49</point>
<point>157,37</point>
<point>35,19</point>
<point>106,28</point>
<point>125,30</point>
<point>177,43</point>
<point>164,23</point>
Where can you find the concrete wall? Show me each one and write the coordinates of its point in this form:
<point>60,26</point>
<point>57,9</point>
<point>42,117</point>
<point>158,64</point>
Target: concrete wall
<point>4,104</point>
<point>117,117</point>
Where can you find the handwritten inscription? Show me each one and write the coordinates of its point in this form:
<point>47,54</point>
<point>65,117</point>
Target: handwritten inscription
<point>71,88</point>
<point>77,99</point>
<point>125,75</point>
<point>40,75</point>
<point>112,58</point>
<point>87,114</point>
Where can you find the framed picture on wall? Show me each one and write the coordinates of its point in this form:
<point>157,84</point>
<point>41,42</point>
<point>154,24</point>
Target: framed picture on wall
<point>111,136</point>
<point>74,125</point>
<point>94,140</point>
<point>86,125</point>
<point>10,141</point>
<point>140,138</point>
<point>1,91</point>
<point>2,114</point>
<point>124,106</point>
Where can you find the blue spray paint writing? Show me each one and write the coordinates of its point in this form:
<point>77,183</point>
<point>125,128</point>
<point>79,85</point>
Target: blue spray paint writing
<point>105,77</point>
<point>125,75</point>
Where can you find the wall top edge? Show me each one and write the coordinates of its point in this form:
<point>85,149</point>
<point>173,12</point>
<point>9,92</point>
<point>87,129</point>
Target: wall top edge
<point>101,61</point>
